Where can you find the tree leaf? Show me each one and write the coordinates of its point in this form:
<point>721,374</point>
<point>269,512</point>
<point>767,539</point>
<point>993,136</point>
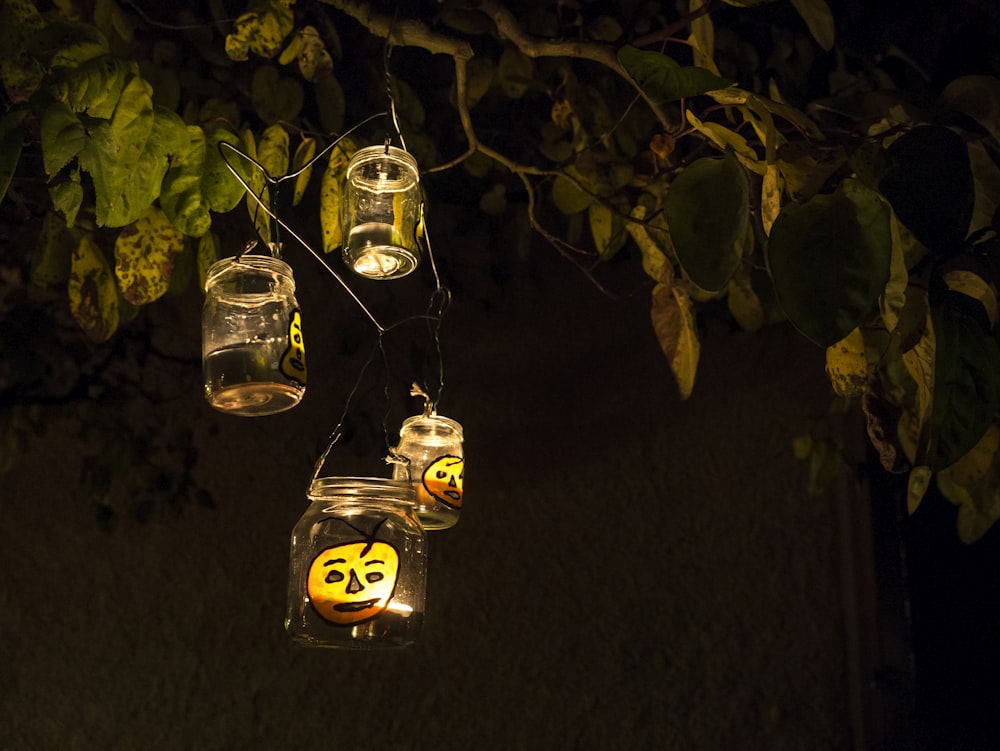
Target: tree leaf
<point>916,487</point>
<point>96,86</point>
<point>568,197</point>
<point>893,298</point>
<point>67,197</point>
<point>929,184</point>
<point>11,139</point>
<point>220,188</point>
<point>978,97</point>
<point>304,153</point>
<point>664,79</point>
<point>275,97</point>
<point>145,252</point>
<point>707,211</point>
<point>63,137</point>
<point>770,197</point>
<point>672,314</point>
<point>654,259</point>
<point>607,228</point>
<point>314,61</point>
<point>847,365</point>
<point>208,253</point>
<point>973,484</point>
<point>52,259</point>
<point>181,197</point>
<point>515,72</point>
<point>331,194</point>
<point>93,297</point>
<point>330,103</point>
<point>819,19</point>
<point>725,139</point>
<point>67,44</point>
<point>973,285</point>
<point>829,259</point>
<point>966,384</point>
<point>702,38</point>
<point>262,30</point>
<point>272,151</point>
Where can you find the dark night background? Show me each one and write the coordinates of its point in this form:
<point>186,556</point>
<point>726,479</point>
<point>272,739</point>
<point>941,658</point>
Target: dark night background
<point>631,571</point>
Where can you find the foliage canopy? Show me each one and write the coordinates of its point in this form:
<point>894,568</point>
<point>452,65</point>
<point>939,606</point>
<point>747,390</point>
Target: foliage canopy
<point>736,151</point>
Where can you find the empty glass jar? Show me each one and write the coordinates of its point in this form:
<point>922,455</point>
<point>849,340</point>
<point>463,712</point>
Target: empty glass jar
<point>253,352</point>
<point>358,566</point>
<point>431,458</point>
<point>381,213</point>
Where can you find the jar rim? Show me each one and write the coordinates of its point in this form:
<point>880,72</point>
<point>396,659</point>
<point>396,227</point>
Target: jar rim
<point>257,262</point>
<point>435,419</point>
<point>366,154</point>
<point>363,488</point>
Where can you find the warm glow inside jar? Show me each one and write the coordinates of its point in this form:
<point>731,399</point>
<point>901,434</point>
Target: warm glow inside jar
<point>433,461</point>
<point>253,353</point>
<point>358,566</point>
<point>381,212</point>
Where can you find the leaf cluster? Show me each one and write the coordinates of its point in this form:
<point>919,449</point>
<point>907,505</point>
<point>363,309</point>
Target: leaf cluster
<point>778,176</point>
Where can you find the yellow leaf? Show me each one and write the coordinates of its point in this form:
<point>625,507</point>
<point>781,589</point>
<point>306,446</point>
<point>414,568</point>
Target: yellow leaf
<point>208,253</point>
<point>672,314</point>
<point>847,366</point>
<point>919,363</point>
<point>702,38</point>
<point>916,487</point>
<point>973,484</point>
<point>607,229</point>
<point>973,285</point>
<point>819,19</point>
<point>654,260</point>
<point>93,297</point>
<point>893,299</point>
<point>145,252</point>
<point>725,138</point>
<point>770,197</point>
<point>331,195</point>
<point>303,154</point>
<point>743,302</point>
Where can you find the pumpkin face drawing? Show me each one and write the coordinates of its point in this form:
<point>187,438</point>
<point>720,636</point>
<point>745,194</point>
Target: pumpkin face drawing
<point>353,582</point>
<point>443,478</point>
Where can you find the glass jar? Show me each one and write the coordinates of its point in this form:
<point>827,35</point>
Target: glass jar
<point>433,461</point>
<point>381,213</point>
<point>358,566</point>
<point>253,353</point>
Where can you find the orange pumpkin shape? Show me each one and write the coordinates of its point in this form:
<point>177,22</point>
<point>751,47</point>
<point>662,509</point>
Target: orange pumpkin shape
<point>443,480</point>
<point>353,582</point>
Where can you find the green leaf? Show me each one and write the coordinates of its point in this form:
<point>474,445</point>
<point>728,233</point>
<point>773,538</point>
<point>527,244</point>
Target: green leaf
<point>11,139</point>
<point>966,384</point>
<point>330,103</point>
<point>220,188</point>
<point>819,19</point>
<point>275,97</point>
<point>515,72</point>
<point>607,227</point>
<point>707,210</point>
<point>52,259</point>
<point>67,44</point>
<point>67,197</point>
<point>93,297</point>
<point>665,80</point>
<point>96,86</point>
<point>208,254</point>
<point>929,184</point>
<point>272,151</point>
<point>145,252</point>
<point>979,98</point>
<point>63,137</point>
<point>304,153</point>
<point>331,194</point>
<point>829,260</point>
<point>568,197</point>
<point>180,196</point>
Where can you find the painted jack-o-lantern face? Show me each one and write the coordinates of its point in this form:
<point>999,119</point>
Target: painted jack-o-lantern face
<point>353,582</point>
<point>443,480</point>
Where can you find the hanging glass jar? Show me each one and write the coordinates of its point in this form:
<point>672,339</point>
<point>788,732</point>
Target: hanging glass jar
<point>431,458</point>
<point>381,212</point>
<point>253,352</point>
<point>358,566</point>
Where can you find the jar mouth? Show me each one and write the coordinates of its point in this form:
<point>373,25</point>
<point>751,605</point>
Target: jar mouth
<point>432,422</point>
<point>255,262</point>
<point>363,489</point>
<point>392,156</point>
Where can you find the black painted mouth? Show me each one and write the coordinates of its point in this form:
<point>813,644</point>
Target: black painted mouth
<point>354,607</point>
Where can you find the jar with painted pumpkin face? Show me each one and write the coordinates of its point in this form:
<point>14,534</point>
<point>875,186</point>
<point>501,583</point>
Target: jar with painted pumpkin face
<point>358,566</point>
<point>253,352</point>
<point>431,458</point>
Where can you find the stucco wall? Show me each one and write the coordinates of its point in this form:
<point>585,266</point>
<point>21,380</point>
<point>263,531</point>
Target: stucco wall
<point>630,572</point>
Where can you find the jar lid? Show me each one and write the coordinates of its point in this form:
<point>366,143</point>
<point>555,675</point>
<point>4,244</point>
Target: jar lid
<point>255,262</point>
<point>363,489</point>
<point>432,423</point>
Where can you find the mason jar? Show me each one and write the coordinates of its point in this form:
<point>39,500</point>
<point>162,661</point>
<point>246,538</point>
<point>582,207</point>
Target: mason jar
<point>253,352</point>
<point>358,566</point>
<point>381,211</point>
<point>430,457</point>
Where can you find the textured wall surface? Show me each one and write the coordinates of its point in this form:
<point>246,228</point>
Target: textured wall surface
<point>630,571</point>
